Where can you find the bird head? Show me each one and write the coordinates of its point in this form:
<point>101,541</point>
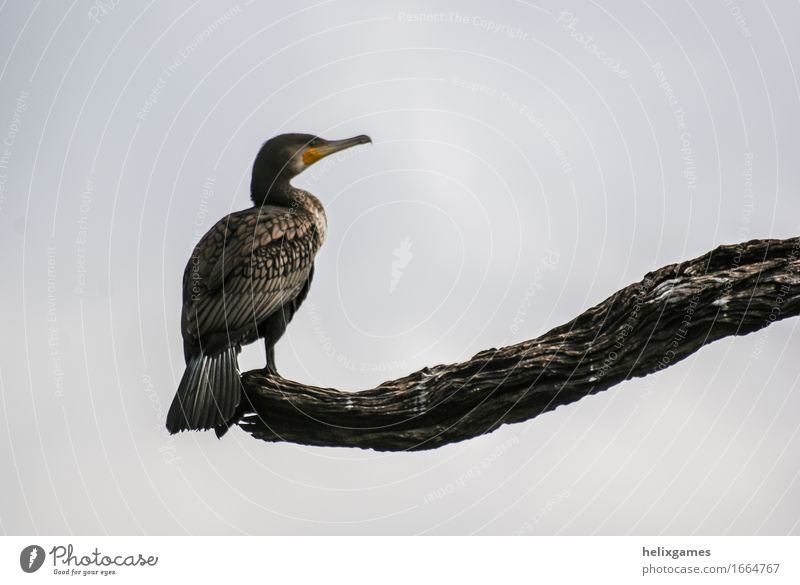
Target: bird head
<point>285,156</point>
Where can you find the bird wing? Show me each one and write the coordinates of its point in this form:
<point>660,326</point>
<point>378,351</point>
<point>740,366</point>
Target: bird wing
<point>247,266</point>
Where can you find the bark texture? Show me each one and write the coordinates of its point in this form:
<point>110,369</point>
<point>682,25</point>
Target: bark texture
<point>639,330</point>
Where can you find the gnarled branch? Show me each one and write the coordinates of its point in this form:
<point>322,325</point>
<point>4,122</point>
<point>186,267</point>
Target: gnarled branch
<point>641,329</point>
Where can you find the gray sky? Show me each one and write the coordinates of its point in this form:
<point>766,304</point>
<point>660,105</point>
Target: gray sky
<point>526,164</point>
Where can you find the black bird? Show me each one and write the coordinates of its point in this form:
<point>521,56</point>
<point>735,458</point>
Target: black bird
<point>246,278</point>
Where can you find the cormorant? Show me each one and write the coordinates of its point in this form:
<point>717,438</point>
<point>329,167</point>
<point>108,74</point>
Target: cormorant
<point>246,278</point>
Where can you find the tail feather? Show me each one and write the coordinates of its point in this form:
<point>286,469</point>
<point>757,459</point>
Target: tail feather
<point>223,373</point>
<point>208,394</point>
<point>234,406</point>
<point>192,399</point>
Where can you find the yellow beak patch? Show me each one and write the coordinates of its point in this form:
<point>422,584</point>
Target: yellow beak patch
<point>312,155</point>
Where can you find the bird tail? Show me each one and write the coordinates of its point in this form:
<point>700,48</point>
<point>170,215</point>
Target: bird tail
<point>208,394</point>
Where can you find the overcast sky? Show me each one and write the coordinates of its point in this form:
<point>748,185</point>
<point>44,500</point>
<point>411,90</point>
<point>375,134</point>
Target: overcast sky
<point>526,164</point>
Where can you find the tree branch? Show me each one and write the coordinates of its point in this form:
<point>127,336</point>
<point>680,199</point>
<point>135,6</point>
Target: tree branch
<point>639,330</point>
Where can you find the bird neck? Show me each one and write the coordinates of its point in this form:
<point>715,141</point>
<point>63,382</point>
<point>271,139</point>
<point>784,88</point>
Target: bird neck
<point>275,192</point>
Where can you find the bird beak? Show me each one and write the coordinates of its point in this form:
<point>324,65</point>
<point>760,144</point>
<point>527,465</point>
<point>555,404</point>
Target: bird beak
<point>313,154</point>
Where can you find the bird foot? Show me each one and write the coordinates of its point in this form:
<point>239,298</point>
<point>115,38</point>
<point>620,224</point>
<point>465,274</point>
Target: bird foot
<point>270,370</point>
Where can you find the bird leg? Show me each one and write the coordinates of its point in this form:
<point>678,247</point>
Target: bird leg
<point>270,367</point>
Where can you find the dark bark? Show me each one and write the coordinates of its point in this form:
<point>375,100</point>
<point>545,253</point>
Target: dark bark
<point>639,330</point>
